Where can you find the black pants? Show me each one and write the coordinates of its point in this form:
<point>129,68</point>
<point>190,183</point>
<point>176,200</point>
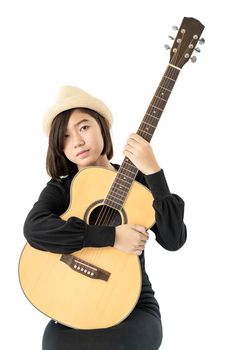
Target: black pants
<point>139,331</point>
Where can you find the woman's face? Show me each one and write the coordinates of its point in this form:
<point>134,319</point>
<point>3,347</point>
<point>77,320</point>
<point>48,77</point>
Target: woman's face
<point>83,142</point>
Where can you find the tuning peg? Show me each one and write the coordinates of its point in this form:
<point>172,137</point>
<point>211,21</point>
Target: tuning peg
<point>174,28</point>
<point>197,49</point>
<point>171,37</point>
<point>202,41</point>
<point>193,59</point>
<point>167,47</point>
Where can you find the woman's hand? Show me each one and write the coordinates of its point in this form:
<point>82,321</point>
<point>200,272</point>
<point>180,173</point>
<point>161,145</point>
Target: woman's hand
<point>131,238</point>
<point>140,152</point>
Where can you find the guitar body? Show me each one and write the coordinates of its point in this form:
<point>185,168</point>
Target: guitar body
<point>93,287</point>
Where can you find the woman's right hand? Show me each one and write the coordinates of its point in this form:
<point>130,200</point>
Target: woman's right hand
<point>131,238</point>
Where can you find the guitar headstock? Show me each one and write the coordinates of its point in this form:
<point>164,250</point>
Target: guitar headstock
<point>185,42</point>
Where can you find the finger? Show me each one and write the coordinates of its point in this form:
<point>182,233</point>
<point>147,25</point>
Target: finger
<point>144,238</point>
<point>137,138</point>
<point>145,235</point>
<point>140,247</point>
<point>130,156</point>
<point>138,252</point>
<point>129,148</point>
<point>139,228</point>
<point>134,144</point>
<point>143,242</point>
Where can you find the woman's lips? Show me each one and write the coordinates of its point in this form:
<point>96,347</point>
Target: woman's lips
<point>81,153</point>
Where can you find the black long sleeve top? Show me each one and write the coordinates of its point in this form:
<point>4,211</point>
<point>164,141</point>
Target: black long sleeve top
<point>45,230</point>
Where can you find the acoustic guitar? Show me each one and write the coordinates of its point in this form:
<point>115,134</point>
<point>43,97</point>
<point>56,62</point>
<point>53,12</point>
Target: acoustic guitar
<point>99,287</point>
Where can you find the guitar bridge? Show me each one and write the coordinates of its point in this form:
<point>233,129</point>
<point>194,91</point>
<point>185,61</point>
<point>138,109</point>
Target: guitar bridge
<point>84,267</point>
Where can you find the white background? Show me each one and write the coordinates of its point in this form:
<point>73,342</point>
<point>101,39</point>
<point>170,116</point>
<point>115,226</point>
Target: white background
<point>114,50</point>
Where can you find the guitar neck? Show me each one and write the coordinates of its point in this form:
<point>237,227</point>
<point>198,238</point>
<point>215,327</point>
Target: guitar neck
<point>128,171</point>
<point>158,103</point>
<point>181,51</point>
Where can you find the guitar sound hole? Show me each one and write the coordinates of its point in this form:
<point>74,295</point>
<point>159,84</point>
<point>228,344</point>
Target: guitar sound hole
<point>105,216</point>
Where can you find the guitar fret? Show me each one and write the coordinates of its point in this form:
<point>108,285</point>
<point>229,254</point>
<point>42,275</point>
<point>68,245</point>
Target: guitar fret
<point>169,78</point>
<point>157,107</point>
<point>113,203</point>
<point>128,182</point>
<point>120,188</point>
<point>161,98</point>
<point>120,192</point>
<point>167,85</point>
<point>146,132</point>
<point>115,198</point>
<point>130,171</point>
<point>164,88</point>
<point>149,124</point>
<point>129,163</point>
<point>123,172</point>
<point>122,183</point>
<point>153,116</point>
<point>127,179</point>
<point>159,102</point>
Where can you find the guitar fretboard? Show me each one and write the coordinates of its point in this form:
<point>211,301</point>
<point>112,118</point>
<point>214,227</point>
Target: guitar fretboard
<point>128,171</point>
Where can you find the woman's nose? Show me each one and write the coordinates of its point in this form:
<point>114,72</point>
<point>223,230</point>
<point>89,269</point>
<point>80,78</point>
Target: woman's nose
<point>78,141</point>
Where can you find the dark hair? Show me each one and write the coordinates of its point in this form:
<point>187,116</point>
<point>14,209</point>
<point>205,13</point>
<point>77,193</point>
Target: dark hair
<point>57,164</point>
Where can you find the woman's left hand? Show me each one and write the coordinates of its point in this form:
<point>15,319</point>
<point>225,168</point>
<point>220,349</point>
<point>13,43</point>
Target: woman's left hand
<point>140,152</point>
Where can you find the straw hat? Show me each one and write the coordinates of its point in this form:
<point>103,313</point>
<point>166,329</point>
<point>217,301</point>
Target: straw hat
<point>72,97</point>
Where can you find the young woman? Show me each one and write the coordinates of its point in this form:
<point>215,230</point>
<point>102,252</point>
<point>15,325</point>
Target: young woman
<point>78,126</point>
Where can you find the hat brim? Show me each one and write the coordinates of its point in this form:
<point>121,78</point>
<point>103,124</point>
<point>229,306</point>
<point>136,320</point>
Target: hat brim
<point>76,102</point>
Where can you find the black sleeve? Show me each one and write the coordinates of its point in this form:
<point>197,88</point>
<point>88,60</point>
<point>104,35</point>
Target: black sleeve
<point>170,230</point>
<point>45,230</point>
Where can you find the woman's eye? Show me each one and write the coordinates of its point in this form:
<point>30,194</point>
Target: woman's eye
<point>85,127</point>
<point>66,135</point>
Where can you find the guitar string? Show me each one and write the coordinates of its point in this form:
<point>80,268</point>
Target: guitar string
<point>170,73</point>
<point>164,84</point>
<point>104,218</point>
<point>107,213</point>
<point>148,119</point>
